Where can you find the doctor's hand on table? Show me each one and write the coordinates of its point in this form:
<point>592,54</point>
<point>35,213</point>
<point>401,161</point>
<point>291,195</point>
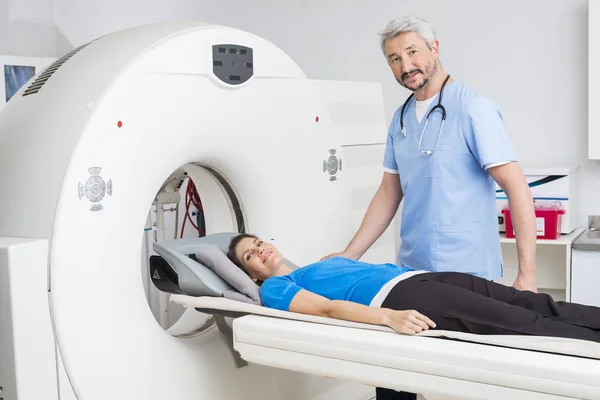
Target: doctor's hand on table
<point>525,282</point>
<point>345,254</point>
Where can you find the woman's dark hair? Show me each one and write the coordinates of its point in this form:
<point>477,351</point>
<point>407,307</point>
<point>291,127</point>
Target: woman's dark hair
<point>233,244</point>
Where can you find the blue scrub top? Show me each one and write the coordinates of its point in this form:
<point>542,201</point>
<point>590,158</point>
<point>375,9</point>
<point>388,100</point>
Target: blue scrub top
<point>449,218</point>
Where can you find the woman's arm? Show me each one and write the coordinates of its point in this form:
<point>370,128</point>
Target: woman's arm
<point>406,321</point>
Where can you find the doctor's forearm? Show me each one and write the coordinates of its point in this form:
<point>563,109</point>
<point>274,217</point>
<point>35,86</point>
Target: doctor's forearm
<point>523,214</point>
<point>379,215</point>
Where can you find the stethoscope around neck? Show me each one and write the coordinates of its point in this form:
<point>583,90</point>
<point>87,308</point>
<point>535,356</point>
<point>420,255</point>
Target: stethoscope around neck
<point>438,106</point>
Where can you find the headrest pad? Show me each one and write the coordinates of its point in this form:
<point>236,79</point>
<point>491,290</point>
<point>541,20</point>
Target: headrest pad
<point>214,258</point>
<point>213,274</point>
<point>195,279</point>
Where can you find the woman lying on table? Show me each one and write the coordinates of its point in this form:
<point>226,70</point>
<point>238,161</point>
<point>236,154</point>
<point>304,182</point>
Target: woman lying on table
<point>406,300</point>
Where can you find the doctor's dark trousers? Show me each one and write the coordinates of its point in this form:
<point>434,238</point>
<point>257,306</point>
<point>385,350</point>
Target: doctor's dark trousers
<point>466,303</point>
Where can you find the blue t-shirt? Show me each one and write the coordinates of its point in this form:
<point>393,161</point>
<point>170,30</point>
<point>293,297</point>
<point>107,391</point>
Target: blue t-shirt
<point>336,278</point>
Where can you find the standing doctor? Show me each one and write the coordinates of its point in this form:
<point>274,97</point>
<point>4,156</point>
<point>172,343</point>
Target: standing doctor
<point>446,146</point>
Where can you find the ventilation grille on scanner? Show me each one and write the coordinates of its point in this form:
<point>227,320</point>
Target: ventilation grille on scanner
<point>43,78</point>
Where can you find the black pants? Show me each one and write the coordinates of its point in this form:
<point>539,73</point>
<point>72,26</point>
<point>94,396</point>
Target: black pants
<point>466,303</point>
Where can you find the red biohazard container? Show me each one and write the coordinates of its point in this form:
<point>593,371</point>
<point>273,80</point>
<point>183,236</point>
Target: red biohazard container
<point>548,219</point>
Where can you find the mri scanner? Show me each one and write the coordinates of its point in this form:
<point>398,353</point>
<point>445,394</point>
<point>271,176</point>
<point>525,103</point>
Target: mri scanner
<point>89,145</point>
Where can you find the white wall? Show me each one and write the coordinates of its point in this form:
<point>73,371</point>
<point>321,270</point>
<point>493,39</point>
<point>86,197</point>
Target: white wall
<point>27,29</point>
<point>528,56</point>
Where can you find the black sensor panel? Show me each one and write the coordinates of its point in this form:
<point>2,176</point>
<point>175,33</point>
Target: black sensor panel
<point>232,63</point>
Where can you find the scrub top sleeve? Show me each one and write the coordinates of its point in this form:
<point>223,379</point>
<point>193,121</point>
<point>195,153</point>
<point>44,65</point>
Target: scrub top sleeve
<point>486,135</point>
<point>389,158</point>
<point>278,291</point>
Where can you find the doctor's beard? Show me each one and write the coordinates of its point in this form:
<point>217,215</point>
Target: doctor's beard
<point>430,70</point>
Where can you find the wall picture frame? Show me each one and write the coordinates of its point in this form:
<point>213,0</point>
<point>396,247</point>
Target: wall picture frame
<point>18,71</point>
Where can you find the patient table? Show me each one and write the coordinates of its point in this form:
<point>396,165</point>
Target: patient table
<point>433,362</point>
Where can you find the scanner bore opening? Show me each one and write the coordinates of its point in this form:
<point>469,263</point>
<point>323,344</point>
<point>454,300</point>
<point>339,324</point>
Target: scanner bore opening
<point>194,201</point>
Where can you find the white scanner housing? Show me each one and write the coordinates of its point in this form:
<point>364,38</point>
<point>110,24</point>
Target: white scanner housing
<point>84,148</point>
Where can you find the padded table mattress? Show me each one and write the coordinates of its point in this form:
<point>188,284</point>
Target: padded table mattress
<point>433,362</point>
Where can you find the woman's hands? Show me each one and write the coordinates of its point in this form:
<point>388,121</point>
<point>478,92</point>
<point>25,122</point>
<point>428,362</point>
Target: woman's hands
<point>408,321</point>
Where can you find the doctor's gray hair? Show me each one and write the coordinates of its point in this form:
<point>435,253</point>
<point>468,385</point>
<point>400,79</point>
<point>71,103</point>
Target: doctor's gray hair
<point>408,24</point>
